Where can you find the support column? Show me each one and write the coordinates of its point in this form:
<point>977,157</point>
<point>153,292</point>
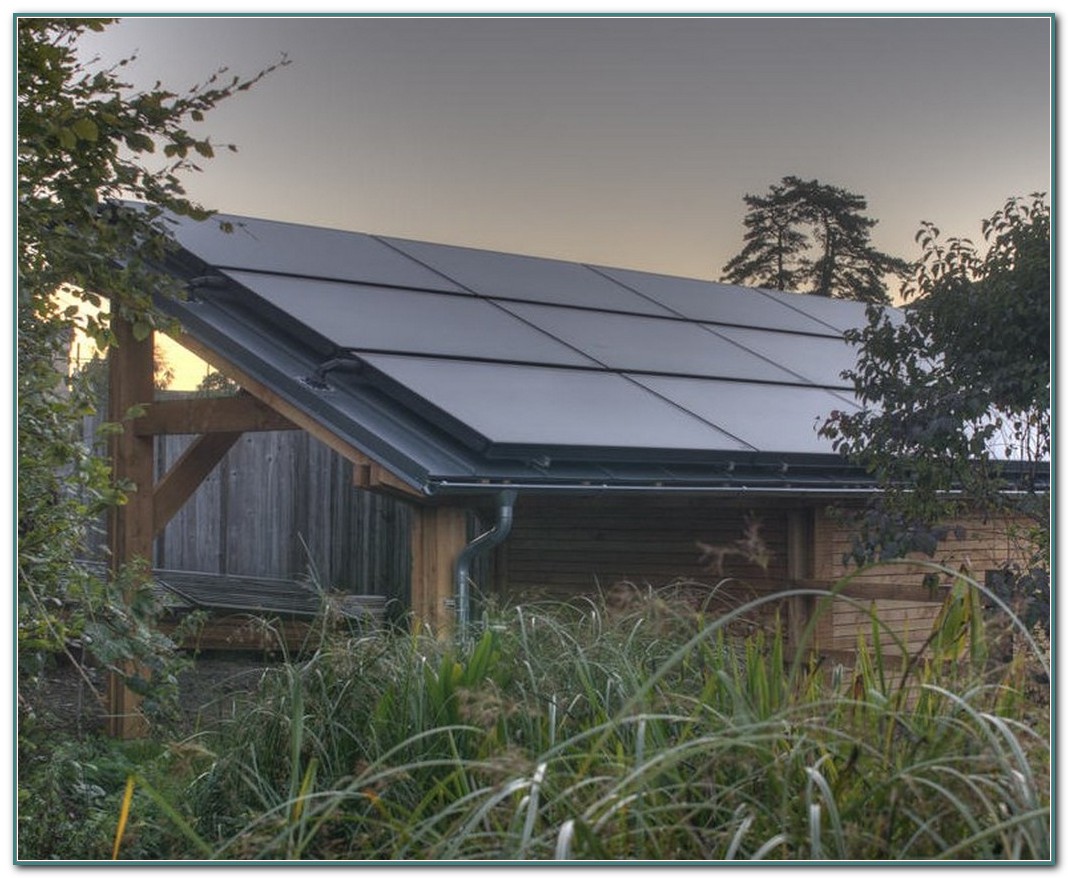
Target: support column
<point>439,534</point>
<point>130,526</point>
<point>799,567</point>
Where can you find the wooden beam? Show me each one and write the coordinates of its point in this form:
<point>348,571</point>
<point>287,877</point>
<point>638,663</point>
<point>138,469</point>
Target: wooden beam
<point>185,476</point>
<point>289,411</point>
<point>381,479</point>
<point>242,413</point>
<point>439,534</point>
<point>799,560</point>
<point>130,526</point>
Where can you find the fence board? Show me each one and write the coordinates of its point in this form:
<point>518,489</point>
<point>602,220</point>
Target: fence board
<point>277,505</point>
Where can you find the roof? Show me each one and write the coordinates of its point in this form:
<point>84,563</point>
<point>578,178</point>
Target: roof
<point>463,370</point>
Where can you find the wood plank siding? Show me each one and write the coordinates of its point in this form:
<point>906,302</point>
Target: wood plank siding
<point>560,547</point>
<point>974,545</point>
<point>563,547</point>
<point>281,502</point>
<point>277,504</point>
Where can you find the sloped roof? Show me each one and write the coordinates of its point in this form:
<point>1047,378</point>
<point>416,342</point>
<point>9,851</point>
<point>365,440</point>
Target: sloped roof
<point>462,369</point>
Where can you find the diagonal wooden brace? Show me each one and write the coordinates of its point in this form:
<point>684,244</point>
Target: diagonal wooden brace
<point>184,477</point>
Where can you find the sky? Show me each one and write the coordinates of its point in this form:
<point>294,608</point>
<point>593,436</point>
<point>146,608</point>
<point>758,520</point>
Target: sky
<point>623,141</point>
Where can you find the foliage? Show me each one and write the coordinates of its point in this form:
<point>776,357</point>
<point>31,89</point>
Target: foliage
<point>797,216</point>
<point>647,733</point>
<point>86,140</point>
<point>216,384</point>
<point>956,392</point>
<point>70,791</point>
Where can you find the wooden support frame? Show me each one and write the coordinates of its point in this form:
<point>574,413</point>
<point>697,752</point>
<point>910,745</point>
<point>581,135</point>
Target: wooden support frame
<point>799,567</point>
<point>370,476</point>
<point>185,476</point>
<point>131,526</point>
<point>375,475</point>
<point>241,413</point>
<point>439,534</point>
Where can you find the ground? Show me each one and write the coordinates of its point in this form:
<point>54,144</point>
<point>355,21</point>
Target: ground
<point>63,699</point>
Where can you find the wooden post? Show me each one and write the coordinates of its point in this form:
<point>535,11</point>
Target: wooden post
<point>799,567</point>
<point>439,534</point>
<point>130,526</point>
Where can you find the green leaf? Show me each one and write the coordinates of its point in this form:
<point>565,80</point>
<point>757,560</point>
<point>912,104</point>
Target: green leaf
<point>85,129</point>
<point>141,330</point>
<point>140,142</point>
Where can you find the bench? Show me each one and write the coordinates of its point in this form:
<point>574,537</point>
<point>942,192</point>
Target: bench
<point>264,595</point>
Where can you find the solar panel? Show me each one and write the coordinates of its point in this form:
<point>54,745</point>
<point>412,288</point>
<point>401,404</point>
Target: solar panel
<point>771,418</point>
<point>362,317</point>
<point>819,359</point>
<point>528,405</point>
<point>260,245</point>
<point>629,342</point>
<point>505,275</point>
<point>842,314</point>
<point>478,364</point>
<point>716,303</point>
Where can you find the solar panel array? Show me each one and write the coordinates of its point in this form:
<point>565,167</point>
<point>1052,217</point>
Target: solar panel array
<point>513,353</point>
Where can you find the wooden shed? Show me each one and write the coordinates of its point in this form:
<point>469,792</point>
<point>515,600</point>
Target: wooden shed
<point>606,424</point>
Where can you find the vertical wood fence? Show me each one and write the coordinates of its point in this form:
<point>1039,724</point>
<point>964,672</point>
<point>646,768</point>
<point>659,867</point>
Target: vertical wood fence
<point>282,504</point>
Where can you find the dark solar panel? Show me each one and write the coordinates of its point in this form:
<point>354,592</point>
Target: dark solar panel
<point>593,366</point>
<point>630,342</point>
<point>771,418</point>
<point>525,405</point>
<point>364,317</point>
<point>819,359</point>
<point>716,303</point>
<point>260,245</point>
<point>505,275</point>
<point>841,314</point>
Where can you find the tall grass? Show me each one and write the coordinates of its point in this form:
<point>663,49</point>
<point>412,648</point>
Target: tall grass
<point>586,733</point>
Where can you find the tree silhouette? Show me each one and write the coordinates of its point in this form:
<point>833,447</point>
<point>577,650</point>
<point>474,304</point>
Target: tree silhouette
<point>812,237</point>
<point>775,245</point>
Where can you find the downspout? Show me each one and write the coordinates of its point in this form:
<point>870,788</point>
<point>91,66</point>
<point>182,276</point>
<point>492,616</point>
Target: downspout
<point>493,537</point>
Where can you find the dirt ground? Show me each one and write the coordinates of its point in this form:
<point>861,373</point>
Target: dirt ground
<point>64,699</point>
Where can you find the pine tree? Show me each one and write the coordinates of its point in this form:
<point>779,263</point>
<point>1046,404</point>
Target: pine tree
<point>811,237</point>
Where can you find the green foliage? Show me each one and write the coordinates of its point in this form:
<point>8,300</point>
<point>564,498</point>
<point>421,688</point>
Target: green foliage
<point>797,217</point>
<point>216,384</point>
<point>86,140</point>
<point>70,792</point>
<point>594,733</point>
<point>84,143</point>
<point>958,391</point>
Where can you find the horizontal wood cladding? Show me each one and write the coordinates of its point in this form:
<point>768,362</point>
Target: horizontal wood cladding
<point>973,544</point>
<point>564,548</point>
<point>902,623</point>
<point>582,544</point>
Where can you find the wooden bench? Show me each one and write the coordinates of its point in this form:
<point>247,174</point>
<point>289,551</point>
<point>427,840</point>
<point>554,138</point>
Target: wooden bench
<point>259,613</point>
<point>265,595</point>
